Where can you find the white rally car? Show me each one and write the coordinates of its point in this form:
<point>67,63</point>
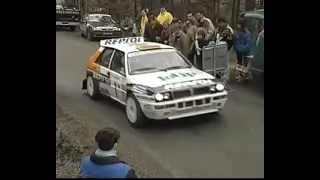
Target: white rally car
<point>153,81</point>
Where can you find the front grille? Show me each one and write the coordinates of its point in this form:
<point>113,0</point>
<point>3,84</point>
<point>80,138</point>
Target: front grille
<point>181,94</point>
<point>201,91</point>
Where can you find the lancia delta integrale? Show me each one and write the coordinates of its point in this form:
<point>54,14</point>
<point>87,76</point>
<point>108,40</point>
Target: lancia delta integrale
<point>153,81</point>
<point>99,26</point>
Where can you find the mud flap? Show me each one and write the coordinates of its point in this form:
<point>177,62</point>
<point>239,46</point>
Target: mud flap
<point>84,84</point>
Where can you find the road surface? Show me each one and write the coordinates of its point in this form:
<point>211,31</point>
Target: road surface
<point>229,145</point>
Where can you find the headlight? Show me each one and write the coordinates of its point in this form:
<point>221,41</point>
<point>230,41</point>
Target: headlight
<point>212,88</point>
<point>118,29</point>
<point>94,28</point>
<point>220,87</point>
<point>159,97</point>
<point>166,96</point>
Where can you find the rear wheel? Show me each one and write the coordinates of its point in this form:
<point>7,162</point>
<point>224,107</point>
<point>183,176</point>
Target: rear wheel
<point>93,88</point>
<point>134,113</point>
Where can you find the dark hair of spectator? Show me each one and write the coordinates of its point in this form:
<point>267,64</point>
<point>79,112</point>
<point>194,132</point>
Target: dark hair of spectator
<point>242,24</point>
<point>150,15</point>
<point>200,12</point>
<point>202,33</point>
<point>189,12</point>
<point>222,20</point>
<point>106,138</point>
<point>175,20</point>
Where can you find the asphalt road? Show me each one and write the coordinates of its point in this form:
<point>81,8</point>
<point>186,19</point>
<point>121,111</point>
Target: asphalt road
<point>229,145</point>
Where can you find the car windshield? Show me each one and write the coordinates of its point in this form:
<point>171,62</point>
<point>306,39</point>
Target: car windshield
<point>101,18</point>
<point>155,60</point>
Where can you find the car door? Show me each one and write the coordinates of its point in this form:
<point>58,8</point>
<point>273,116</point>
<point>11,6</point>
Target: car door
<point>118,77</point>
<point>104,62</point>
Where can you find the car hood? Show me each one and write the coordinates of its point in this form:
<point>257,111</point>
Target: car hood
<point>158,79</point>
<point>101,24</point>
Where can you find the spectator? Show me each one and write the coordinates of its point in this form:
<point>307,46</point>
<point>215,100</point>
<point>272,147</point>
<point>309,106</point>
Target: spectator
<point>165,33</point>
<point>164,16</point>
<point>190,16</point>
<point>201,43</point>
<point>153,30</point>
<point>242,43</point>
<point>225,32</point>
<point>172,29</point>
<point>104,163</point>
<point>143,22</point>
<point>206,24</point>
<point>182,42</point>
<point>126,26</point>
<point>135,28</point>
<point>191,32</point>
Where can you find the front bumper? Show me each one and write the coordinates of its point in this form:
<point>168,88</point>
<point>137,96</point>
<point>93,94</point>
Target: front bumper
<point>186,107</point>
<point>106,34</point>
<point>66,23</point>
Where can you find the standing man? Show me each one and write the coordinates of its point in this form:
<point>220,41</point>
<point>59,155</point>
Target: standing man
<point>206,24</point>
<point>164,16</point>
<point>143,22</point>
<point>182,42</point>
<point>191,32</point>
<point>104,162</point>
<point>153,30</point>
<point>225,32</point>
<point>172,29</point>
<point>126,26</point>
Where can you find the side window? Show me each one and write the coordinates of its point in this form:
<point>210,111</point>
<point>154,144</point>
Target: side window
<point>106,57</point>
<point>261,26</point>
<point>118,62</point>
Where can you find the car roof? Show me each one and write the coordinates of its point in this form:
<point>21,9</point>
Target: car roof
<point>99,14</point>
<point>134,47</point>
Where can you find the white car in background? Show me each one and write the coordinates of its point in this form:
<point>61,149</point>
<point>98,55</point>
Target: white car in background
<point>153,81</point>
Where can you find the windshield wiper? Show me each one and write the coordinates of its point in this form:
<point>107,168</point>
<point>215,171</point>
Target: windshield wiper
<point>144,69</point>
<point>175,67</point>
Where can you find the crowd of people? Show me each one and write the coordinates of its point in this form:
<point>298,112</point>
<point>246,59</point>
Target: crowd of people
<point>191,36</point>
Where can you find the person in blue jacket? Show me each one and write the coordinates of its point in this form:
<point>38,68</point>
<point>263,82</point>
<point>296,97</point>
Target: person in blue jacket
<point>242,42</point>
<point>104,163</point>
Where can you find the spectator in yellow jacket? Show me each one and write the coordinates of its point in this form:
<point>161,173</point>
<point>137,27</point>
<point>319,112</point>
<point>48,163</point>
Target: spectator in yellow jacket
<point>143,22</point>
<point>164,16</point>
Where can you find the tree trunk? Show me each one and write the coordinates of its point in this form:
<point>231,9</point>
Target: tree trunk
<point>237,9</point>
<point>250,5</point>
<point>233,15</point>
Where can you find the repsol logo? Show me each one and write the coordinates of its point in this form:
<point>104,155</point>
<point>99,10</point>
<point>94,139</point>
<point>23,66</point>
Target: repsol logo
<point>187,84</point>
<point>130,40</point>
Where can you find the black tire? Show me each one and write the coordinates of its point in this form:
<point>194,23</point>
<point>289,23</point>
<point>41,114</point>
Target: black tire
<point>89,34</point>
<point>95,94</point>
<point>141,120</point>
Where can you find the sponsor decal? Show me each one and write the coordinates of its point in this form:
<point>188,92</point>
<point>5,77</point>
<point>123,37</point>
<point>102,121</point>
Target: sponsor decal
<point>67,12</point>
<point>101,78</point>
<point>129,40</point>
<point>176,75</point>
<point>187,84</point>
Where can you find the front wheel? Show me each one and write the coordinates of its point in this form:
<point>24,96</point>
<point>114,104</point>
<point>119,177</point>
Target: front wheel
<point>93,88</point>
<point>134,113</point>
<point>89,35</point>
<point>72,28</point>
